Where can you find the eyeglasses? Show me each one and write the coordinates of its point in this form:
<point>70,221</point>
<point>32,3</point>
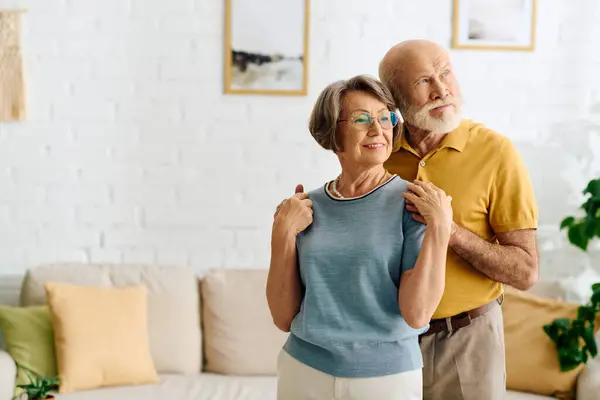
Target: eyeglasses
<point>364,121</point>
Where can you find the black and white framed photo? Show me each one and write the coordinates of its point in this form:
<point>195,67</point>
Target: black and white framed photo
<point>494,24</point>
<point>266,47</point>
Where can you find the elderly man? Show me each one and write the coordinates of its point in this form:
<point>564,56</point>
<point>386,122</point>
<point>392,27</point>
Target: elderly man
<point>495,220</point>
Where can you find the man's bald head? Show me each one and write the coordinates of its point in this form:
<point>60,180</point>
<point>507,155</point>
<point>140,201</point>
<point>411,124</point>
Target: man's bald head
<point>407,56</point>
<point>419,75</point>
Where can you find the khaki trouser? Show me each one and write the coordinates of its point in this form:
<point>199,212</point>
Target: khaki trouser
<point>297,381</point>
<point>468,363</point>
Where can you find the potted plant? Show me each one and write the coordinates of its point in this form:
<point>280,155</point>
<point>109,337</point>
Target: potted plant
<point>39,387</point>
<point>574,339</point>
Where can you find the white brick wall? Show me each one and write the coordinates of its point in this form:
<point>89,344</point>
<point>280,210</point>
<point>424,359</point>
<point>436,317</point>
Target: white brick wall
<point>132,153</point>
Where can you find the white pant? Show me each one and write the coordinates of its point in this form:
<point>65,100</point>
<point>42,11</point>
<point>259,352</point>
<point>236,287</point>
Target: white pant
<point>297,381</point>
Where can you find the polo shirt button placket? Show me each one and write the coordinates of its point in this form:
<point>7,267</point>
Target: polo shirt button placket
<point>422,163</point>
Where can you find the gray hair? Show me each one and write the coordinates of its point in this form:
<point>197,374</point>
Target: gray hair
<point>388,73</point>
<point>327,109</point>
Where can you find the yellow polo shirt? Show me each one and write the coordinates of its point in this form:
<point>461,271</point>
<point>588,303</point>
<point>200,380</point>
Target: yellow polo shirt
<point>491,192</point>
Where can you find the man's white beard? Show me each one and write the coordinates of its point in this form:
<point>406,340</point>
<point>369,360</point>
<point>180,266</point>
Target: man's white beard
<point>421,119</point>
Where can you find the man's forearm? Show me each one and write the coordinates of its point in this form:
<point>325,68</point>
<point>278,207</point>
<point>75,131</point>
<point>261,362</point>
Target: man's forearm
<point>502,263</point>
<point>284,287</point>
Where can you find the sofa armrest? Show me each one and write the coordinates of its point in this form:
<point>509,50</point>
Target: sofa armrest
<point>588,380</point>
<point>8,372</point>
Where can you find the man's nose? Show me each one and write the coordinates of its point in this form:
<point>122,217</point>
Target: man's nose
<point>440,91</point>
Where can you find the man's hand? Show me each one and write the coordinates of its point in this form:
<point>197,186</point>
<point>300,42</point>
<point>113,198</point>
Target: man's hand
<point>416,215</point>
<point>299,189</point>
<point>432,203</point>
<point>294,215</point>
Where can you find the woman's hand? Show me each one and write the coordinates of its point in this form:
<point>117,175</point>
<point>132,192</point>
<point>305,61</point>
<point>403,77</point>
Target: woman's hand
<point>295,214</point>
<point>432,204</point>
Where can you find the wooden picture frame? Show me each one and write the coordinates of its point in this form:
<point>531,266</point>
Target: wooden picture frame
<point>266,47</point>
<point>494,25</point>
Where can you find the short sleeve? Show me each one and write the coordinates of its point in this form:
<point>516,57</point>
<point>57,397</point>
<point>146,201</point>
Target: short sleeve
<point>512,200</point>
<point>413,233</point>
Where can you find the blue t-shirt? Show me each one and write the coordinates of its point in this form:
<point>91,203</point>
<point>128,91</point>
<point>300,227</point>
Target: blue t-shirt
<point>351,258</point>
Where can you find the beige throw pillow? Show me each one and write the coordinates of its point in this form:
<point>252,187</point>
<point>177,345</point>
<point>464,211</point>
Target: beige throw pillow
<point>173,304</point>
<point>101,336</point>
<point>239,335</point>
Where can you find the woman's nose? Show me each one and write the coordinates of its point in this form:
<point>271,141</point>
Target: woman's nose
<point>376,128</point>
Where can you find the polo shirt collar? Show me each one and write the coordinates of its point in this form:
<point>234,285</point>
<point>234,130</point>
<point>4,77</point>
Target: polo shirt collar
<point>457,139</point>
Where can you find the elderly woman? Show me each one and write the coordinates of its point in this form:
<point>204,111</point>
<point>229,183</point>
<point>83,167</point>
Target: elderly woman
<point>354,277</point>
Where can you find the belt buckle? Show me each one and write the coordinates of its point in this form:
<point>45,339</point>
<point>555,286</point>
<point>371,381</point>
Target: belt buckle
<point>462,320</point>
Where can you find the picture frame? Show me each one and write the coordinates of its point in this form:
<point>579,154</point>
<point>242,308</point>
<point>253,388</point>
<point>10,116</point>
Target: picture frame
<point>267,47</point>
<point>494,25</point>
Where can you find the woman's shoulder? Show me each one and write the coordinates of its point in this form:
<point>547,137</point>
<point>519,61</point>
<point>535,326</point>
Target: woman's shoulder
<point>318,193</point>
<point>398,184</point>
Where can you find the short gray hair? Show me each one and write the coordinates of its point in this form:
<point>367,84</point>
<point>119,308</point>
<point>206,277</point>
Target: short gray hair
<point>327,109</point>
<point>388,74</point>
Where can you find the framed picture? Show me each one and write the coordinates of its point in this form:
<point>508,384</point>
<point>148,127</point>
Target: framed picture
<point>266,47</point>
<point>494,24</point>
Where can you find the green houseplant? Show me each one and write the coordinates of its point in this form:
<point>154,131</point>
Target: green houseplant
<point>39,387</point>
<point>574,339</point>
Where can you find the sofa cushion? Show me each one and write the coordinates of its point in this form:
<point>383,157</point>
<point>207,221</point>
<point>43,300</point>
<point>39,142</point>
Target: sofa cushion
<point>205,386</point>
<point>100,336</point>
<point>239,335</point>
<point>531,357</point>
<point>173,305</point>
<point>8,373</point>
<point>512,395</point>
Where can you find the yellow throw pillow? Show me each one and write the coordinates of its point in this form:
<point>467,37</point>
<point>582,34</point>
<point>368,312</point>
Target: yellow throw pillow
<point>531,357</point>
<point>101,336</point>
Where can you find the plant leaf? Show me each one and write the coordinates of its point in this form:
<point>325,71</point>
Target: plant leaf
<point>27,386</point>
<point>590,341</point>
<point>577,236</point>
<point>585,313</point>
<point>593,188</point>
<point>595,298</point>
<point>562,323</point>
<point>569,358</point>
<point>590,226</point>
<point>567,222</point>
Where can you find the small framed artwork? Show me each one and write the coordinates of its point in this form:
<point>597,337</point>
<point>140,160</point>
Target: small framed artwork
<point>266,47</point>
<point>494,24</point>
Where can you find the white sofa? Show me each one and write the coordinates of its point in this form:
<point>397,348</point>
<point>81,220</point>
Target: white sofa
<point>230,348</point>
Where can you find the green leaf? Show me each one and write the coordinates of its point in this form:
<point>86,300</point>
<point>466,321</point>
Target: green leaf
<point>567,222</point>
<point>595,298</point>
<point>593,188</point>
<point>590,226</point>
<point>577,236</point>
<point>590,341</point>
<point>585,313</point>
<point>569,359</point>
<point>596,287</point>
<point>27,386</point>
<point>562,323</point>
<point>552,332</point>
